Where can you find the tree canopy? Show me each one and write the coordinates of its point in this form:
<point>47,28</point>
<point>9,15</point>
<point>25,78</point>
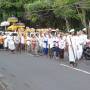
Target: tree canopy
<point>63,14</point>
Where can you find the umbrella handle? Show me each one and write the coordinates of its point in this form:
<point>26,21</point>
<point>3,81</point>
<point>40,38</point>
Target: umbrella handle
<point>5,30</point>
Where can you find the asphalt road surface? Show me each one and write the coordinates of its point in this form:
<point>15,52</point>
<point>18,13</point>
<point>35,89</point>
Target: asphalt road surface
<point>26,72</point>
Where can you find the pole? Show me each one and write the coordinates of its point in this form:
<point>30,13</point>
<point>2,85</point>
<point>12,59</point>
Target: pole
<point>88,31</point>
<point>5,30</point>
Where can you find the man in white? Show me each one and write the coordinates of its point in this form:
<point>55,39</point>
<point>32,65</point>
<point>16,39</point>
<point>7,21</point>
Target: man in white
<point>62,45</point>
<point>5,42</point>
<point>56,45</point>
<point>83,37</point>
<point>28,42</point>
<point>11,45</point>
<point>79,43</point>
<point>72,47</point>
<point>17,42</point>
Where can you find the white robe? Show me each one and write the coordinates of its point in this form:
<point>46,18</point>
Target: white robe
<point>11,44</point>
<point>7,38</point>
<point>16,39</point>
<point>50,42</point>
<point>79,47</point>
<point>83,38</point>
<point>5,43</point>
<point>62,43</point>
<point>22,41</point>
<point>72,48</point>
<point>28,41</point>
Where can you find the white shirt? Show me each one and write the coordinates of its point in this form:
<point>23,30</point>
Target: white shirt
<point>28,40</point>
<point>41,41</point>
<point>71,40</point>
<point>45,39</point>
<point>50,42</point>
<point>16,39</point>
<point>22,40</point>
<point>55,41</point>
<point>83,38</point>
<point>61,43</point>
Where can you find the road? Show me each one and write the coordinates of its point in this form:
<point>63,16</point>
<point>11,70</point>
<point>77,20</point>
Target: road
<point>26,72</point>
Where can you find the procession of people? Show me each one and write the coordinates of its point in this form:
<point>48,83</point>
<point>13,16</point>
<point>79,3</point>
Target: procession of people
<point>46,43</point>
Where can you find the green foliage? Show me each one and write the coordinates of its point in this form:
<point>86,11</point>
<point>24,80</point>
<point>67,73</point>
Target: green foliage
<point>48,12</point>
<point>38,5</point>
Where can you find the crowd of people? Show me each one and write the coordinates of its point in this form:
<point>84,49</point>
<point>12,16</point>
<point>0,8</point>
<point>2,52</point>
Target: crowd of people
<point>51,44</point>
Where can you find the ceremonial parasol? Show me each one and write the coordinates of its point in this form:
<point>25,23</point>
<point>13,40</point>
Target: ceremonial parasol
<point>12,19</point>
<point>12,28</point>
<point>20,25</point>
<point>5,23</point>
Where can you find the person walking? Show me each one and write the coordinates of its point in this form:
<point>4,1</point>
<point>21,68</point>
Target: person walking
<point>72,47</point>
<point>62,45</point>
<point>11,44</point>
<point>1,41</point>
<point>45,44</point>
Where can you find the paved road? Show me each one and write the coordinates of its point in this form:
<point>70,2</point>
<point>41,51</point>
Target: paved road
<point>25,72</point>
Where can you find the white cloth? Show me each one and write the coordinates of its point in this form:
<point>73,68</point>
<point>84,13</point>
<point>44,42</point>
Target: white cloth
<point>5,43</point>
<point>62,43</point>
<point>55,42</point>
<point>28,41</point>
<point>50,42</point>
<point>11,44</point>
<point>79,47</point>
<point>16,39</point>
<point>22,40</point>
<point>83,39</point>
<point>45,39</point>
<point>71,40</point>
<point>40,41</point>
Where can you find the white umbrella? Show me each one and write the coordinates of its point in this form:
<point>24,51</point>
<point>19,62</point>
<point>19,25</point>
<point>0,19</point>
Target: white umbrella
<point>12,19</point>
<point>5,23</point>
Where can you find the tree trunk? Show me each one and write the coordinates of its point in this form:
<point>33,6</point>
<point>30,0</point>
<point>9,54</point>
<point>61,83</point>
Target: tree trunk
<point>84,15</point>
<point>84,18</point>
<point>67,24</point>
<point>89,30</point>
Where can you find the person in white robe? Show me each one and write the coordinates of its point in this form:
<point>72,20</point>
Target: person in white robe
<point>83,37</point>
<point>11,44</point>
<point>17,42</point>
<point>5,42</point>
<point>79,46</point>
<point>72,47</point>
<point>83,40</point>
